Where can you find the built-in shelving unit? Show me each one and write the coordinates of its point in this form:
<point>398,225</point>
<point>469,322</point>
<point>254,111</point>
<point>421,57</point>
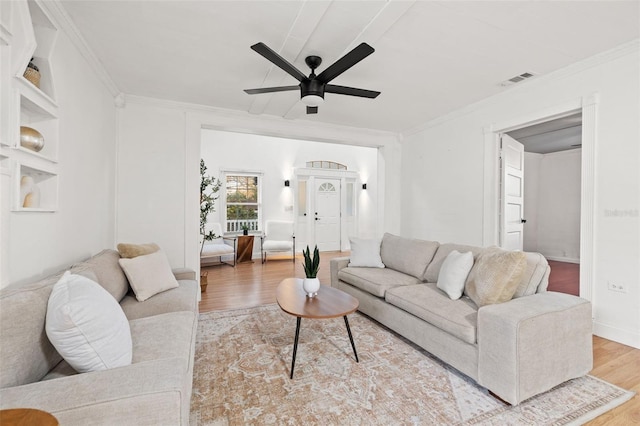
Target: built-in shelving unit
<point>34,36</point>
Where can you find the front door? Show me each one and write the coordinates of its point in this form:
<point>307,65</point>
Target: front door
<point>511,194</point>
<point>326,216</point>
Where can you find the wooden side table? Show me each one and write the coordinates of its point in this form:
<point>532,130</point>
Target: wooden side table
<point>26,417</point>
<point>245,248</point>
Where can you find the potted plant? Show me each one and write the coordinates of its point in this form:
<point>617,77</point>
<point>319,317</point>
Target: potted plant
<point>311,284</point>
<point>245,229</point>
<point>209,187</point>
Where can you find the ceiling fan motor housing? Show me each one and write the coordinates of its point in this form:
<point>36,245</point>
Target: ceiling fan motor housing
<point>311,87</point>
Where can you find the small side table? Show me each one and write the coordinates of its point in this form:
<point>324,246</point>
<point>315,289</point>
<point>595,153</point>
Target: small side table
<point>27,417</point>
<point>245,248</point>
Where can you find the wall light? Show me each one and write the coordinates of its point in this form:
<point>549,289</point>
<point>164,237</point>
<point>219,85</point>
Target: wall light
<point>287,183</point>
<point>364,186</point>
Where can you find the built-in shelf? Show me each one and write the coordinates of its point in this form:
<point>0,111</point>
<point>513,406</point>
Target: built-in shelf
<point>33,39</point>
<point>42,182</point>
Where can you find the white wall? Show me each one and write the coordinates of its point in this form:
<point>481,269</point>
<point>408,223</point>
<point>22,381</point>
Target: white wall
<point>277,158</point>
<point>553,211</point>
<point>40,243</point>
<point>443,169</point>
<point>158,168</point>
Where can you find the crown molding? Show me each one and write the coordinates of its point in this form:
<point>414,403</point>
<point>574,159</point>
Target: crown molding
<point>270,125</point>
<point>620,51</point>
<point>65,23</point>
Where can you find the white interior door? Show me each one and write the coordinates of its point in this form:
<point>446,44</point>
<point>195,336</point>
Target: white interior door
<point>511,194</point>
<point>326,217</point>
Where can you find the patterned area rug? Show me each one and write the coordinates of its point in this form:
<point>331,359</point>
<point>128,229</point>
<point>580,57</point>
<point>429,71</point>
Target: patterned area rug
<point>243,360</point>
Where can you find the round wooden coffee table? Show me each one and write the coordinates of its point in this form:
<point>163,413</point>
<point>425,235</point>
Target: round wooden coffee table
<point>26,417</point>
<point>329,303</point>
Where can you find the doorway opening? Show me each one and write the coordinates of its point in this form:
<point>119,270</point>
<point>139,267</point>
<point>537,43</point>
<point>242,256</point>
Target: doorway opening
<point>544,217</point>
<point>582,109</point>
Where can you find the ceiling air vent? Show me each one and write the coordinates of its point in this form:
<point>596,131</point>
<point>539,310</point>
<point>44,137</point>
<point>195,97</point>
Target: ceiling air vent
<point>517,79</point>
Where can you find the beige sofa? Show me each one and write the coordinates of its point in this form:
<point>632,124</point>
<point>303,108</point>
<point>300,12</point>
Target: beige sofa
<point>516,349</point>
<point>154,390</point>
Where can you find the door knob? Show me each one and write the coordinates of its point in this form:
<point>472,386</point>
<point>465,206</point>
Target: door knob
<point>523,220</point>
<point>317,218</point>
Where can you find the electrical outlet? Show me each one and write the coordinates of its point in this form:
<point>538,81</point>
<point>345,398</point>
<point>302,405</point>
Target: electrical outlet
<point>620,288</point>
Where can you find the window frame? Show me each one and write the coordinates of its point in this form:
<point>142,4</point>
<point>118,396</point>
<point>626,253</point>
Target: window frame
<point>247,173</point>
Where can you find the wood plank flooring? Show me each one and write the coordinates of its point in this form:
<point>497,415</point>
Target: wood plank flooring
<point>254,284</point>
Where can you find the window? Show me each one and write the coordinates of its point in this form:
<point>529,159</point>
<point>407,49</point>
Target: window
<point>243,201</point>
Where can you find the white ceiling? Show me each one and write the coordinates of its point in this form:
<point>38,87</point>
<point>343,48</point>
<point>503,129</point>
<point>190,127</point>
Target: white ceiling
<point>431,57</point>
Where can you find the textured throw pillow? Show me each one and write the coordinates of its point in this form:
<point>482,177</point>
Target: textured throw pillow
<point>87,326</point>
<point>129,251</point>
<point>495,276</point>
<point>454,272</point>
<point>365,253</point>
<point>149,275</point>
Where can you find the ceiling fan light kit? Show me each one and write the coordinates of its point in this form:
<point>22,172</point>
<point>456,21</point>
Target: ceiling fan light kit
<point>313,88</point>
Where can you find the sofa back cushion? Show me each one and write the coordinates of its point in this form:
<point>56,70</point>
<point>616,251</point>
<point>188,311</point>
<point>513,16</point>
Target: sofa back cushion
<point>108,272</point>
<point>433,270</point>
<point>25,351</point>
<point>407,255</point>
<point>535,277</point>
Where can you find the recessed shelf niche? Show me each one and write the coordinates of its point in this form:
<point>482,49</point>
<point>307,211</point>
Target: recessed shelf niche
<point>44,185</point>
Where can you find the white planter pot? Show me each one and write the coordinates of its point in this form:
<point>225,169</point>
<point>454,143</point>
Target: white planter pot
<point>311,286</point>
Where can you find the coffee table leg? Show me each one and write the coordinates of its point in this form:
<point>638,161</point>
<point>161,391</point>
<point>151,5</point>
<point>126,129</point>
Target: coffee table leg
<point>295,344</point>
<point>353,345</point>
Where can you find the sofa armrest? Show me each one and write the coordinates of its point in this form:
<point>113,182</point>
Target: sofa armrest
<point>336,264</point>
<point>184,274</point>
<point>530,344</point>
<point>147,393</point>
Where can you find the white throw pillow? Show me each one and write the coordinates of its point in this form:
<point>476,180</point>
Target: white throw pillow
<point>454,272</point>
<point>87,326</point>
<point>365,253</point>
<point>149,275</point>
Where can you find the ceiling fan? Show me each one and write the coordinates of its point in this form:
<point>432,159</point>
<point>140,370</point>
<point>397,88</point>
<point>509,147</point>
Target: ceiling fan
<point>313,88</point>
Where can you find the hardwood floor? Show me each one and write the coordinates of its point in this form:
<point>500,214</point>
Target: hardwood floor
<point>254,284</point>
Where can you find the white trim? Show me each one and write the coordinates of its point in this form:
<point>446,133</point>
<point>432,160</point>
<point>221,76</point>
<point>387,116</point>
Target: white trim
<point>563,259</point>
<point>65,23</point>
<point>593,61</point>
<point>617,334</point>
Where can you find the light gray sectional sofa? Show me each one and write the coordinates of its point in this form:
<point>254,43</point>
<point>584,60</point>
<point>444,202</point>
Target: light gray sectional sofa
<point>154,390</point>
<point>516,349</point>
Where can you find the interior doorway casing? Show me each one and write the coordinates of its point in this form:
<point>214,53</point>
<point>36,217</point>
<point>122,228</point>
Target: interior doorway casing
<point>588,107</point>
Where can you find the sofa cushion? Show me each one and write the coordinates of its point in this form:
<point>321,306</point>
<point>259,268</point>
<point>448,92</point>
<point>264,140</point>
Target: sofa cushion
<point>149,274</point>
<point>533,274</point>
<point>407,255</point>
<point>457,317</point>
<point>454,272</point>
<point>108,271</point>
<point>375,280</point>
<point>495,276</point>
<point>87,326</point>
<point>30,355</point>
<point>182,298</point>
<point>365,253</point>
<point>129,251</point>
<point>433,270</point>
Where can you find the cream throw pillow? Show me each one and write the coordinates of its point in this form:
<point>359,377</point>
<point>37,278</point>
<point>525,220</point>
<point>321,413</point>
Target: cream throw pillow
<point>149,275</point>
<point>129,251</point>
<point>495,276</point>
<point>365,253</point>
<point>87,326</point>
<point>454,272</point>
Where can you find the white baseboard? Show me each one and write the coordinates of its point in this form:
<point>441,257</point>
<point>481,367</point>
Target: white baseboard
<point>626,337</point>
<point>562,259</point>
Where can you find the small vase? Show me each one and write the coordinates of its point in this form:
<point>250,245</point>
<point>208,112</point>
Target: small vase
<point>245,232</point>
<point>311,286</point>
<point>31,139</point>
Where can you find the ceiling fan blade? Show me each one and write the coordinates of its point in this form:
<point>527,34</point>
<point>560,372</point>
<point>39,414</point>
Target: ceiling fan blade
<point>351,91</point>
<point>312,109</point>
<point>347,61</point>
<point>278,60</point>
<point>271,89</point>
